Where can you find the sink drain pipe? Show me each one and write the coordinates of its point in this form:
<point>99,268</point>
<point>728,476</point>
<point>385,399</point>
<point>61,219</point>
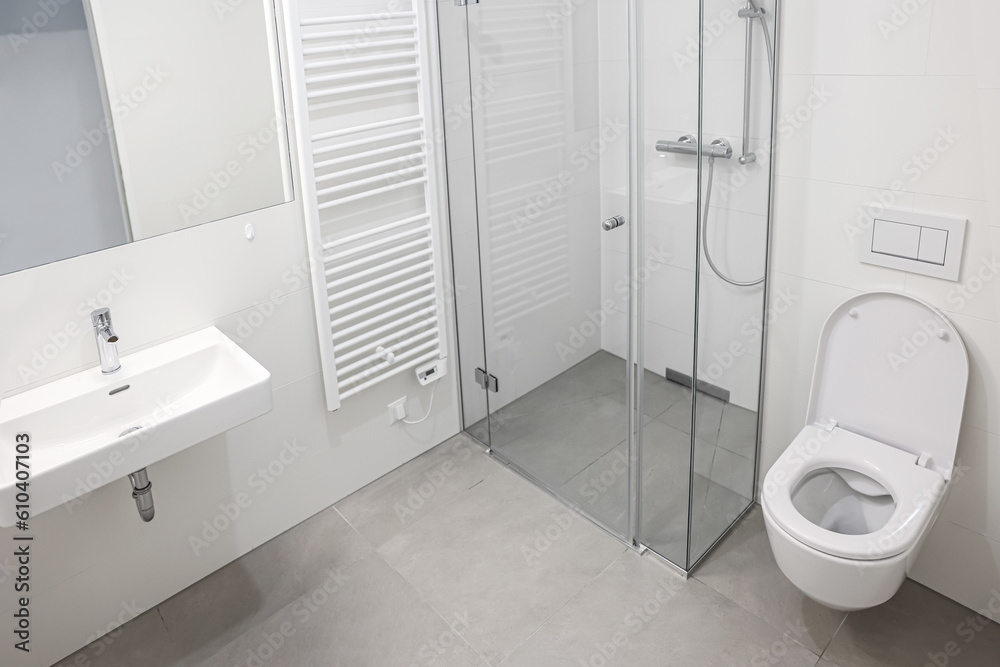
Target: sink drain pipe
<point>142,492</point>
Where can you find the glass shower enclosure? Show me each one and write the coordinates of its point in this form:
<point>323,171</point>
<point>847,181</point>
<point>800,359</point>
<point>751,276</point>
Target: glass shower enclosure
<point>609,169</point>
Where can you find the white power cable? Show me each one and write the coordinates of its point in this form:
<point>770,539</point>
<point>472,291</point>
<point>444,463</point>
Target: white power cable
<point>430,407</point>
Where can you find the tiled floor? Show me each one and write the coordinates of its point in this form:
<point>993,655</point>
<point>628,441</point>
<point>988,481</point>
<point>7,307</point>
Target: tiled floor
<point>454,560</point>
<point>570,434</point>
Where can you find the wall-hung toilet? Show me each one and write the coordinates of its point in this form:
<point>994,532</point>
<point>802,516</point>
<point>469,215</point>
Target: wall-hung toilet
<point>847,506</point>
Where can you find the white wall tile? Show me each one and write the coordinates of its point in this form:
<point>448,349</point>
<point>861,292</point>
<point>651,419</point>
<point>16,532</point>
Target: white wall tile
<point>987,47</point>
<point>976,292</point>
<point>989,111</point>
<point>951,52</point>
<point>923,134</point>
<point>982,404</point>
<point>854,37</point>
<point>975,497</point>
<point>794,335</point>
<point>817,227</point>
<point>962,564</point>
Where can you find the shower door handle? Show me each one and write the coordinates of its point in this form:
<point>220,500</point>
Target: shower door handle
<point>613,223</point>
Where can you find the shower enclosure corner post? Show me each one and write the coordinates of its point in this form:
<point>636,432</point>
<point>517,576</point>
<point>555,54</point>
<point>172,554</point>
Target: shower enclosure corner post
<point>768,250</point>
<point>636,257</point>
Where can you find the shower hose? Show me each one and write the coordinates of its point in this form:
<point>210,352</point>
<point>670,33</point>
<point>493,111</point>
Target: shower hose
<point>704,235</point>
<point>711,174</point>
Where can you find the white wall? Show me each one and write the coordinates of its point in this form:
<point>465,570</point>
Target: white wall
<point>93,557</point>
<point>871,89</point>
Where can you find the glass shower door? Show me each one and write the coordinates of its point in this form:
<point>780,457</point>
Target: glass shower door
<point>614,222</point>
<point>551,165</point>
<point>703,306</point>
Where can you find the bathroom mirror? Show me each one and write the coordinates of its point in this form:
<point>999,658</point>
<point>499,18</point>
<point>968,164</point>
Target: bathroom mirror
<point>123,120</point>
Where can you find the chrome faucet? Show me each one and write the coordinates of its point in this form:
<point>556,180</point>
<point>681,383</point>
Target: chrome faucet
<point>107,340</point>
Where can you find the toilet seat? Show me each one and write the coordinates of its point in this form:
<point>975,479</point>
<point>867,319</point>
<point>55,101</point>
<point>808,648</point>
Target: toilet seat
<point>916,491</point>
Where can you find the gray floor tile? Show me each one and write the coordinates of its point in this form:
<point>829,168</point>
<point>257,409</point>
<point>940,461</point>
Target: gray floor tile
<point>665,517</point>
<point>742,568</point>
<point>601,374</point>
<point>738,430</point>
<point>666,478</point>
<point>709,417</point>
<point>638,613</point>
<point>602,488</point>
<point>714,508</point>
<point>916,627</point>
<point>659,394</point>
<point>666,453</point>
<point>222,606</point>
<point>734,472</point>
<point>556,444</point>
<point>141,641</point>
<point>506,554</point>
<point>704,457</point>
<point>411,492</point>
<point>367,616</point>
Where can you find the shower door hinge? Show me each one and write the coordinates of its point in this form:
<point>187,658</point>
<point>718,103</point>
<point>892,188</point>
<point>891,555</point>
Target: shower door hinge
<point>463,3</point>
<point>487,381</point>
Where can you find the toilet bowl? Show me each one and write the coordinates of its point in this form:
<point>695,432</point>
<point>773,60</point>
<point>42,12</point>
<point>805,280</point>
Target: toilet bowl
<point>848,505</point>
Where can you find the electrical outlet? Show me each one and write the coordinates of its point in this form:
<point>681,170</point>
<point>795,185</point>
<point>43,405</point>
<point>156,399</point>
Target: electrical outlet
<point>397,411</point>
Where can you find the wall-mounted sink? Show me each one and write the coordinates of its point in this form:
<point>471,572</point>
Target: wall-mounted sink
<point>89,429</point>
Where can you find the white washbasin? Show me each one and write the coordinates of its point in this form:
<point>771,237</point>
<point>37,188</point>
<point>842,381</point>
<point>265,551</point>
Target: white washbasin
<point>86,430</point>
